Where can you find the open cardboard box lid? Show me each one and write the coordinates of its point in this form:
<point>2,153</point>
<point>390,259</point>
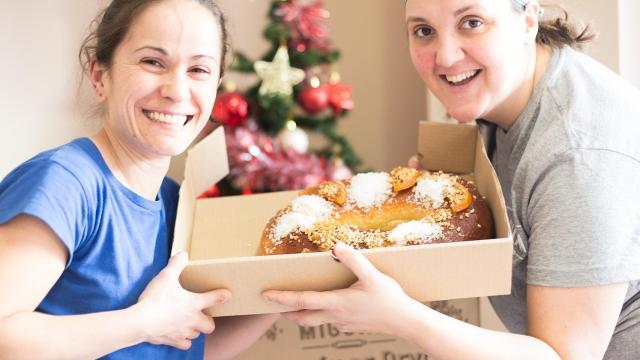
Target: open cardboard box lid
<point>222,235</point>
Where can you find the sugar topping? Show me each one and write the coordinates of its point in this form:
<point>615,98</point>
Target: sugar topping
<point>312,205</point>
<point>432,190</point>
<point>412,231</point>
<point>291,222</point>
<point>305,212</point>
<point>369,189</point>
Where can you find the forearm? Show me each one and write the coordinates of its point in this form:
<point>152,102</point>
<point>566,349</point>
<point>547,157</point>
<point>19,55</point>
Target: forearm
<point>36,335</point>
<point>443,337</point>
<point>235,334</point>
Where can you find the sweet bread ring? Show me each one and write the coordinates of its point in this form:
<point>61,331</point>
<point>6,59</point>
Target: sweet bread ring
<point>403,207</point>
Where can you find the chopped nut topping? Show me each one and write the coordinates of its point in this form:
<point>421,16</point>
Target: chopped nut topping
<point>333,191</point>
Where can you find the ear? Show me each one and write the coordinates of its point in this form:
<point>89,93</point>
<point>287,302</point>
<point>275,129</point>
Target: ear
<point>531,15</point>
<point>97,74</point>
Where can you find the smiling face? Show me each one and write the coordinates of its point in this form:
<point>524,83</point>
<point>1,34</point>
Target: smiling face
<point>474,55</point>
<point>161,85</point>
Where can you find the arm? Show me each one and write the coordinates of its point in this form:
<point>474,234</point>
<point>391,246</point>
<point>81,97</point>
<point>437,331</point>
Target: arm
<point>235,334</point>
<point>563,323</point>
<point>558,327</point>
<point>32,258</point>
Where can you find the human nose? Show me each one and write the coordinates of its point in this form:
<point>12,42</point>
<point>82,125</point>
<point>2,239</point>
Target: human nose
<point>176,87</point>
<point>449,52</point>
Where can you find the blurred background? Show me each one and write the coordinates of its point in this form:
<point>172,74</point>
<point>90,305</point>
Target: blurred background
<point>44,106</point>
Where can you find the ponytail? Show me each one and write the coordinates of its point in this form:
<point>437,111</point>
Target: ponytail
<point>560,31</point>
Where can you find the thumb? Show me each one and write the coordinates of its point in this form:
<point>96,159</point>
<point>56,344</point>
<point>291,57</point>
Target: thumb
<point>355,261</point>
<point>214,297</point>
<point>177,263</point>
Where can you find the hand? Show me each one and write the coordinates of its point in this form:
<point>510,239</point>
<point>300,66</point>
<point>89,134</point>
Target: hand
<point>372,304</point>
<point>415,161</point>
<point>172,315</point>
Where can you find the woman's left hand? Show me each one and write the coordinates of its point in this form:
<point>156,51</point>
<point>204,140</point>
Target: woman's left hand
<point>374,303</point>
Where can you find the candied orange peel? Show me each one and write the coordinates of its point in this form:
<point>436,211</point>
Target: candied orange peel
<point>333,191</point>
<point>403,178</point>
<point>462,198</point>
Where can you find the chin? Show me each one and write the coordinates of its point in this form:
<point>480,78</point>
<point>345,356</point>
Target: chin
<point>170,149</point>
<point>464,115</point>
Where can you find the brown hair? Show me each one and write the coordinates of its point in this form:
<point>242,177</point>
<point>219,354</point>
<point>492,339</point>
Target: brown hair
<point>558,31</point>
<point>110,27</point>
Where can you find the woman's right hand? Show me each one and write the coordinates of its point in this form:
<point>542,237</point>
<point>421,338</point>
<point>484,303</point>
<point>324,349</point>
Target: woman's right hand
<point>172,315</point>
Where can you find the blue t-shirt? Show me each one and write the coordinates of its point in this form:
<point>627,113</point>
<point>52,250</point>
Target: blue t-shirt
<point>117,240</point>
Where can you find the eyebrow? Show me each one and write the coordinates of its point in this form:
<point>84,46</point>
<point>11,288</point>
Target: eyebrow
<point>465,9</point>
<point>416,19</point>
<point>166,53</point>
<point>462,10</point>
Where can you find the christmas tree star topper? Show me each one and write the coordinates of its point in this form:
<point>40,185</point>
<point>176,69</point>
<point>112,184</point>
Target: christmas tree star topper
<point>278,77</point>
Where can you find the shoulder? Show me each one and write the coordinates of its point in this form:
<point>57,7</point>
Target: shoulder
<point>56,167</point>
<point>57,186</point>
<point>76,160</point>
<point>585,105</point>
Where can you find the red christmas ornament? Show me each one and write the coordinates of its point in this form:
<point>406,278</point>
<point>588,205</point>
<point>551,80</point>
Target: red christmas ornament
<point>231,109</point>
<point>314,99</point>
<point>340,97</point>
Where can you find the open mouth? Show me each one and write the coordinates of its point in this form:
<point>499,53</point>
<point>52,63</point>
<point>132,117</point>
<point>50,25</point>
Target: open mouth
<point>178,120</point>
<point>461,79</point>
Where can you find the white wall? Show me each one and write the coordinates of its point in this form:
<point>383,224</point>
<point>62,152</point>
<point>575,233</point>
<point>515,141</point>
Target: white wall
<point>39,76</point>
<point>629,43</point>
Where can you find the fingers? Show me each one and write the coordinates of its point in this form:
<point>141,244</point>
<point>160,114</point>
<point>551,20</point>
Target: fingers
<point>205,324</point>
<point>184,344</point>
<point>355,261</point>
<point>299,299</point>
<point>213,298</point>
<point>176,264</point>
<point>415,162</point>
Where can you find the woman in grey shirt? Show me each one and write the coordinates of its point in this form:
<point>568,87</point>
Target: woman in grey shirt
<point>563,132</point>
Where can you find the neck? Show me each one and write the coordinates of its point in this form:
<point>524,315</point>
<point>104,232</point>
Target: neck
<point>512,107</point>
<point>142,174</point>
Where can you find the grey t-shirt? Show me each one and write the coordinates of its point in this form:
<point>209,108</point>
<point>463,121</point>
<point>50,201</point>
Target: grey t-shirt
<point>569,170</point>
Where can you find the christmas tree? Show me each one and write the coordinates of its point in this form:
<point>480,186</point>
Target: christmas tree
<point>298,90</point>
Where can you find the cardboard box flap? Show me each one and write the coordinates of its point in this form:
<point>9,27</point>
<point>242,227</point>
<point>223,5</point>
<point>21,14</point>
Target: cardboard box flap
<point>206,164</point>
<point>447,147</point>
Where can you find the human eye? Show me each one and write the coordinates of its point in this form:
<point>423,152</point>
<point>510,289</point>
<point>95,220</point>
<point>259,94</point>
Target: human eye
<point>472,23</point>
<point>151,62</point>
<point>200,72</point>
<point>422,31</point>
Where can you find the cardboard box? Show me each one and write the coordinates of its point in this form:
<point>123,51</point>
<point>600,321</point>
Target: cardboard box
<point>287,340</point>
<point>222,235</point>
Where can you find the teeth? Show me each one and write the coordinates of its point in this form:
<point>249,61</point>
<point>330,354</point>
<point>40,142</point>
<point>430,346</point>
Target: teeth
<point>460,77</point>
<point>166,118</point>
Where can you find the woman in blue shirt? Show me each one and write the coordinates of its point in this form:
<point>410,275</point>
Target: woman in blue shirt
<point>86,228</point>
